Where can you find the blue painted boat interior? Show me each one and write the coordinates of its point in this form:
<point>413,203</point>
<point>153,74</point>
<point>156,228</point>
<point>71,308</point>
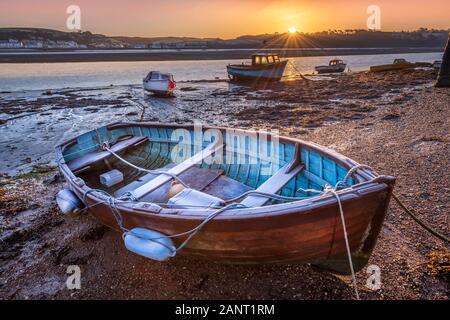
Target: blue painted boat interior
<point>156,153</point>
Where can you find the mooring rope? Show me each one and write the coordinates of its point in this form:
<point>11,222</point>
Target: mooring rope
<point>347,245</point>
<point>332,190</point>
<point>231,204</point>
<point>402,205</point>
<point>112,203</point>
<point>299,74</point>
<point>196,229</point>
<point>420,222</point>
<point>399,202</point>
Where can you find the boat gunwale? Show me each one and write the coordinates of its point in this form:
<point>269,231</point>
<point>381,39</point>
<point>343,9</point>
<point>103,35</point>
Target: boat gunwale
<point>364,178</point>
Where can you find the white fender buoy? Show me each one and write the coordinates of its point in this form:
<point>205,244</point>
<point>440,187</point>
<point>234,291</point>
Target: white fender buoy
<point>68,202</point>
<point>149,243</point>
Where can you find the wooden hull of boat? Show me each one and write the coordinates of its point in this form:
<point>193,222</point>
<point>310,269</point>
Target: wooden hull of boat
<point>299,232</point>
<point>293,237</point>
<point>392,67</point>
<point>270,72</point>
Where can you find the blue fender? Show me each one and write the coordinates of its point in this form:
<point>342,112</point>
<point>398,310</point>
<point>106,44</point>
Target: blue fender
<point>149,243</point>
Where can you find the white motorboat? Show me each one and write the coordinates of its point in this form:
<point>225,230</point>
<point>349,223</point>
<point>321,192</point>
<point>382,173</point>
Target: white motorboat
<point>159,83</point>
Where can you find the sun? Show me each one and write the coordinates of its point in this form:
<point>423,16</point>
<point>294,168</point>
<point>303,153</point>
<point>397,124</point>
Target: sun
<point>292,30</point>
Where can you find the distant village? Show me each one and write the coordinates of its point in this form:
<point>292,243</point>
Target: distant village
<point>49,44</point>
<point>46,39</point>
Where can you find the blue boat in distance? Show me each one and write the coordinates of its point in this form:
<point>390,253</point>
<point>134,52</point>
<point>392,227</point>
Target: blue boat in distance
<point>265,66</point>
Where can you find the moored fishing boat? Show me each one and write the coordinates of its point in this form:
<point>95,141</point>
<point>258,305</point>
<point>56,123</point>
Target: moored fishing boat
<point>264,66</point>
<point>334,66</point>
<point>227,195</point>
<point>398,64</point>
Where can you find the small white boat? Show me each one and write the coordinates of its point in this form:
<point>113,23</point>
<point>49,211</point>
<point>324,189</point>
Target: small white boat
<point>437,64</point>
<point>159,83</point>
<point>334,66</point>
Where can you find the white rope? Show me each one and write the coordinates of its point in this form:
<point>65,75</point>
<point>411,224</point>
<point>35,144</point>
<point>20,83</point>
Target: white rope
<point>347,245</point>
<point>353,170</point>
<point>328,189</point>
<point>194,231</point>
<point>174,176</point>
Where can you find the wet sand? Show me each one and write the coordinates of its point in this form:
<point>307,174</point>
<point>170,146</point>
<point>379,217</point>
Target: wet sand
<point>396,122</point>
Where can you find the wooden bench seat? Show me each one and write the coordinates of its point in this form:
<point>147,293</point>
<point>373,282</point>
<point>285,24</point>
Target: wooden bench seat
<point>84,162</point>
<point>196,178</point>
<point>273,185</point>
<point>162,179</point>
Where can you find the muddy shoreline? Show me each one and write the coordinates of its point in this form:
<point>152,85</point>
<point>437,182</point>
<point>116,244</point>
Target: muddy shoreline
<point>398,123</point>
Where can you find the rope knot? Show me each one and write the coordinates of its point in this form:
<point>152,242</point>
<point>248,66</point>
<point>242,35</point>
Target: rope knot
<point>106,145</point>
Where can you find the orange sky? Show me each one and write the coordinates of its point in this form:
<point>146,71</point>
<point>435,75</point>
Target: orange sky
<point>223,18</point>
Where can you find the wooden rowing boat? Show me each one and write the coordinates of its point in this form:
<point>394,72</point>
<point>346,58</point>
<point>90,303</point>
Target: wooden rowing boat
<point>305,228</point>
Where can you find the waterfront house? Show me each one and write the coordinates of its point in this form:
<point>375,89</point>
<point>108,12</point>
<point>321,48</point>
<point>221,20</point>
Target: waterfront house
<point>33,44</point>
<point>11,44</point>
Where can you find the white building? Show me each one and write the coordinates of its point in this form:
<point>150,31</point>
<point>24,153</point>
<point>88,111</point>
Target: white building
<point>67,44</point>
<point>61,45</point>
<point>100,45</point>
<point>196,45</point>
<point>117,45</point>
<point>33,44</point>
<point>11,44</point>
<point>156,45</point>
<point>171,45</point>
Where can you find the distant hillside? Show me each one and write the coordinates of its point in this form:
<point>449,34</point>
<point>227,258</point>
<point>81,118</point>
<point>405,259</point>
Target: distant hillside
<point>361,39</point>
<point>48,34</point>
<point>327,39</point>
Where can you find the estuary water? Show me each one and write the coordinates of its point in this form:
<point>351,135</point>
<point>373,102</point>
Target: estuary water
<point>43,76</point>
